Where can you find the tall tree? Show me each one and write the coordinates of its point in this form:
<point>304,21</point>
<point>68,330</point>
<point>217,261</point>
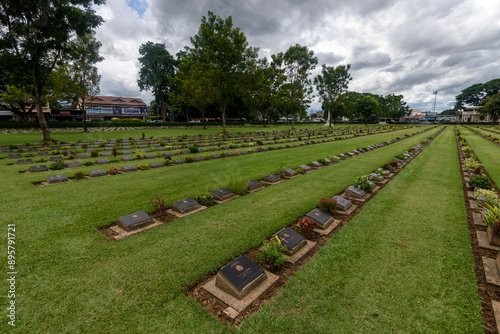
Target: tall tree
<point>79,79</point>
<point>332,83</point>
<point>492,107</point>
<point>194,86</point>
<point>296,64</point>
<point>476,94</point>
<point>35,36</point>
<point>393,106</point>
<point>229,62</point>
<point>366,107</point>
<point>156,73</point>
<point>18,101</point>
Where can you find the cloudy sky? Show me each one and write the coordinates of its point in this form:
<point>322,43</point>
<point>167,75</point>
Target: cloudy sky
<point>409,47</point>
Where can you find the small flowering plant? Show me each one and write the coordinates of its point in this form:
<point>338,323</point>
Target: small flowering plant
<point>159,206</point>
<point>113,170</point>
<point>307,224</point>
<point>271,252</point>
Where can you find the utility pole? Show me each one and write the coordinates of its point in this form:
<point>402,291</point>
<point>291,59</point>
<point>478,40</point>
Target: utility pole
<point>435,99</point>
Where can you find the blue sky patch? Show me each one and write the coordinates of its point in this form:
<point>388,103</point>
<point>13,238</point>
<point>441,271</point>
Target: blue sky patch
<point>139,6</point>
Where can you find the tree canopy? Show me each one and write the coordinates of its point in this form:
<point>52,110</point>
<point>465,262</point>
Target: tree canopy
<point>158,68</point>
<point>476,94</point>
<point>35,36</point>
<point>492,107</point>
<point>331,84</point>
<point>227,61</point>
<point>295,66</point>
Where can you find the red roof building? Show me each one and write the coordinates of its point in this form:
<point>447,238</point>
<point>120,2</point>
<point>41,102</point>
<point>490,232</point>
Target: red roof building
<point>107,107</point>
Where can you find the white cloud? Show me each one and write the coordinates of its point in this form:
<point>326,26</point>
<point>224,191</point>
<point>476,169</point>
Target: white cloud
<point>409,47</point>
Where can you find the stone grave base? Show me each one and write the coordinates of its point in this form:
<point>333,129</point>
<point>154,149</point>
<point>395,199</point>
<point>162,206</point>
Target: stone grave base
<point>301,252</point>
<point>122,233</point>
<point>182,215</point>
<point>254,190</point>
<point>483,242</point>
<point>384,181</point>
<point>45,183</point>
<point>225,200</point>
<point>496,312</point>
<point>234,305</point>
<point>360,199</point>
<point>466,179</point>
<point>473,205</point>
<point>470,194</point>
<point>95,177</point>
<point>286,177</point>
<point>273,183</point>
<point>478,219</point>
<point>330,228</point>
<point>348,212</point>
<point>491,271</point>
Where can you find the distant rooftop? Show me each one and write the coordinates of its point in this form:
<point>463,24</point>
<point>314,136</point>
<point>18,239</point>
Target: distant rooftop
<point>115,101</point>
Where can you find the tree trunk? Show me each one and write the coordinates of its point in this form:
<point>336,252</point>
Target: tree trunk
<point>41,118</point>
<point>223,112</point>
<point>163,108</point>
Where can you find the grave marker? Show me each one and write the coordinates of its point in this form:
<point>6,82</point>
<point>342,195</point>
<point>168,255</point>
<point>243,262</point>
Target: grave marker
<point>355,192</point>
<point>291,240</point>
<point>135,220</point>
<point>57,179</point>
<point>185,205</point>
<point>343,204</point>
<point>24,161</point>
<point>156,165</point>
<point>272,178</point>
<point>130,168</point>
<point>253,185</point>
<point>73,164</point>
<point>305,168</point>
<point>82,156</point>
<point>316,164</point>
<point>102,161</point>
<point>41,168</point>
<point>290,172</point>
<point>97,173</point>
<point>222,194</point>
<point>57,158</point>
<point>240,277</point>
<point>324,220</point>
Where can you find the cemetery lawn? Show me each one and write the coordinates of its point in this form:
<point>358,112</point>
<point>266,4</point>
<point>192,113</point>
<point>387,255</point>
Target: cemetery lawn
<point>73,279</point>
<point>403,264</point>
<point>487,152</point>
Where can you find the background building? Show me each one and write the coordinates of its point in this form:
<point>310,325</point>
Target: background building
<point>106,107</point>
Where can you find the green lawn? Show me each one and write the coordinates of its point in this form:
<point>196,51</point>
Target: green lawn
<point>487,152</point>
<point>74,280</point>
<point>404,264</point>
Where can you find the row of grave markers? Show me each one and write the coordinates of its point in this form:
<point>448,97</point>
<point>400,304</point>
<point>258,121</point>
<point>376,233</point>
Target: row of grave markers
<point>485,235</point>
<point>238,284</point>
<point>132,168</point>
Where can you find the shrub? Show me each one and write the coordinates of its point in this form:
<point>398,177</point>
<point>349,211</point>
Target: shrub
<point>237,185</point>
<point>394,163</point>
<point>230,145</point>
<point>259,142</point>
<point>400,156</point>
<point>143,166</point>
<point>55,152</point>
<point>57,165</point>
<point>466,149</point>
<point>489,195</point>
<point>159,206</point>
<point>189,160</point>
<point>204,199</point>
<point>223,155</point>
<point>322,161</point>
<point>480,181</point>
<point>113,170</point>
<point>207,157</point>
<point>88,163</point>
<point>193,149</point>
<point>491,217</point>
<point>328,205</point>
<point>472,163</point>
<point>65,148</point>
<point>280,170</point>
<point>168,147</point>
<point>307,224</point>
<point>139,154</point>
<point>362,183</point>
<point>94,154</point>
<point>79,175</point>
<point>272,252</point>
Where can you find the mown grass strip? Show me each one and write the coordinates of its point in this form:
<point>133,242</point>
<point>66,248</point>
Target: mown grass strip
<point>75,280</point>
<point>404,264</point>
<point>487,152</point>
